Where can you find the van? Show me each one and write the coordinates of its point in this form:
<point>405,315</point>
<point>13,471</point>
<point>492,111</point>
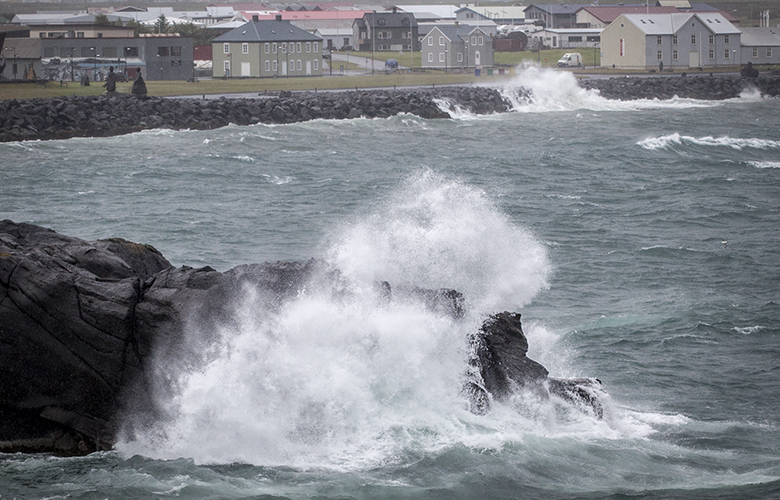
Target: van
<point>570,60</point>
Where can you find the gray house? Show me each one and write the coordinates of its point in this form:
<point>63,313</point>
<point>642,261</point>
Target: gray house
<point>457,47</point>
<point>681,40</point>
<point>385,31</point>
<point>761,45</point>
<point>267,49</point>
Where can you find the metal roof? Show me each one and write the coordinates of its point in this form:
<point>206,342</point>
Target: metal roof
<point>267,31</point>
<point>761,37</point>
<point>607,14</point>
<point>453,32</point>
<point>557,9</point>
<point>669,24</point>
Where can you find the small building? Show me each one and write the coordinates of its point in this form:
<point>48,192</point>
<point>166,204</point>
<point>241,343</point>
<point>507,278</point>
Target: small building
<point>553,16</point>
<point>385,32</point>
<point>682,40</point>
<point>457,47</point>
<point>22,57</point>
<point>267,49</point>
<point>761,45</point>
<point>159,57</point>
<point>569,38</point>
<point>69,25</point>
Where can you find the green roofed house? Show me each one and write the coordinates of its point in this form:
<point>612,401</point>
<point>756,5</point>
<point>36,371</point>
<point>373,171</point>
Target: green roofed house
<point>266,49</point>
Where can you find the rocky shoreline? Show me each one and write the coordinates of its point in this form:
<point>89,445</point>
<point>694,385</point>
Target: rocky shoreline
<point>100,116</point>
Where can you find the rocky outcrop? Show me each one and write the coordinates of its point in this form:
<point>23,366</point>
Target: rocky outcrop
<point>500,367</point>
<point>80,320</point>
<point>95,116</point>
<point>691,86</point>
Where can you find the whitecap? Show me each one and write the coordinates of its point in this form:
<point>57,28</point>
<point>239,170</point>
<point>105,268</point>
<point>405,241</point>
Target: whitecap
<point>748,330</point>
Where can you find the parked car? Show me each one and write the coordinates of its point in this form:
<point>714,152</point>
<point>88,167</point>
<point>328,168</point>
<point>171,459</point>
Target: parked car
<point>570,60</point>
<point>391,64</point>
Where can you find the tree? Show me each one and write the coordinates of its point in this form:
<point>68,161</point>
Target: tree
<point>102,20</point>
<point>162,24</point>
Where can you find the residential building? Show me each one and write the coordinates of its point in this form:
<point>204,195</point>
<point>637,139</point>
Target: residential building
<point>568,38</point>
<point>553,16</point>
<point>22,57</point>
<point>761,45</point>
<point>682,40</point>
<point>595,16</point>
<point>385,31</point>
<point>263,48</point>
<point>457,47</point>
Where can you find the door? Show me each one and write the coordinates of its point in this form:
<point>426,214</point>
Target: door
<point>308,67</point>
<point>477,60</point>
<point>284,68</point>
<point>693,59</point>
<point>245,71</point>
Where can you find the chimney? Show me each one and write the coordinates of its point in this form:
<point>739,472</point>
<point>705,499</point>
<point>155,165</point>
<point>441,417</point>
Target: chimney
<point>278,17</point>
<point>255,17</point>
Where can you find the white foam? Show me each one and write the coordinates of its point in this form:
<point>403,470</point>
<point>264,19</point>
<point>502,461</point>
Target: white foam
<point>675,139</point>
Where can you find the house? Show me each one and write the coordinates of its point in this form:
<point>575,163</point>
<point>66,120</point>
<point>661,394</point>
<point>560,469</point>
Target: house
<point>385,31</point>
<point>568,38</point>
<point>461,47</point>
<point>22,57</point>
<point>681,40</point>
<point>553,16</point>
<point>761,45</point>
<point>159,57</point>
<point>333,26</point>
<point>263,48</point>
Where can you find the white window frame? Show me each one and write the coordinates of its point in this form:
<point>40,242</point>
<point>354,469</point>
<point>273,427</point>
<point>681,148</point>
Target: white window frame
<point>755,52</point>
<point>308,47</point>
<point>274,66</point>
<point>316,65</point>
<point>481,41</point>
<point>693,39</point>
<point>674,39</point>
<point>430,56</point>
<point>441,41</point>
<point>727,54</point>
<point>460,56</point>
<point>660,55</point>
<point>441,57</point>
<point>300,47</point>
<point>245,48</point>
<point>274,48</point>
<point>226,48</point>
<point>726,39</point>
<point>675,55</point>
<point>712,54</point>
<point>769,52</point>
<point>227,67</point>
<point>267,48</point>
<point>659,40</point>
<point>711,39</point>
<point>299,65</point>
<point>316,47</point>
<point>430,41</point>
<point>267,65</point>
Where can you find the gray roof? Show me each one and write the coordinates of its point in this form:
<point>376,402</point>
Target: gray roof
<point>761,37</point>
<point>669,24</point>
<point>267,31</point>
<point>558,9</point>
<point>387,19</point>
<point>453,32</point>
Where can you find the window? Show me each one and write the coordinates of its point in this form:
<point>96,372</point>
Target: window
<point>131,52</point>
<point>693,39</point>
<point>482,40</point>
<point>473,40</point>
<point>659,40</point>
<point>42,34</point>
<point>460,56</point>
<point>299,61</point>
<point>575,39</point>
<point>726,39</point>
<point>441,57</point>
<point>308,47</point>
<point>769,51</point>
<point>674,39</point>
<point>316,47</point>
<point>245,48</point>
<point>163,51</point>
<point>176,51</point>
<point>273,48</point>
<point>712,54</point>
<point>267,48</point>
<point>430,41</point>
<point>755,52</point>
<point>227,68</point>
<point>300,48</point>
<point>380,34</point>
<point>316,65</point>
<point>430,56</point>
<point>727,54</point>
<point>274,66</point>
<point>594,38</point>
<point>283,47</point>
<point>660,55</point>
<point>674,55</point>
<point>711,39</point>
<point>441,41</point>
<point>267,65</point>
<point>80,34</point>
<point>226,48</point>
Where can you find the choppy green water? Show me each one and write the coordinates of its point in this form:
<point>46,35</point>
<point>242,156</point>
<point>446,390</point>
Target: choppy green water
<point>639,241</point>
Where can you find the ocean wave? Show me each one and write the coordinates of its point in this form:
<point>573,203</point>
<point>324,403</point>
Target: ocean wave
<point>676,139</point>
<point>765,164</point>
<point>748,330</point>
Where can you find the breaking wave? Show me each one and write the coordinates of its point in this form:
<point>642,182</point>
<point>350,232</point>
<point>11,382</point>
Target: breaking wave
<point>675,139</point>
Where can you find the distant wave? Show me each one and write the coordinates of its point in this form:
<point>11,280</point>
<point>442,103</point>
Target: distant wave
<point>747,330</point>
<point>676,139</point>
<point>765,164</point>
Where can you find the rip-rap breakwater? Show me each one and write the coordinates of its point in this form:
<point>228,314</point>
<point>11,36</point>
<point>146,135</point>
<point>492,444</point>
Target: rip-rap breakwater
<point>95,116</point>
<point>697,86</point>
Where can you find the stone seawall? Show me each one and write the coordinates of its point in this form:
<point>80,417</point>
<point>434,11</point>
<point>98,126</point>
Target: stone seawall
<point>696,86</point>
<point>95,116</point>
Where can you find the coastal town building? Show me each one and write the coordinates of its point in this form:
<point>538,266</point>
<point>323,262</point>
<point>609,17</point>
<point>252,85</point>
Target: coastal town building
<point>568,38</point>
<point>385,32</point>
<point>457,47</point>
<point>262,48</point>
<point>553,16</point>
<point>693,40</point>
<point>761,45</point>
